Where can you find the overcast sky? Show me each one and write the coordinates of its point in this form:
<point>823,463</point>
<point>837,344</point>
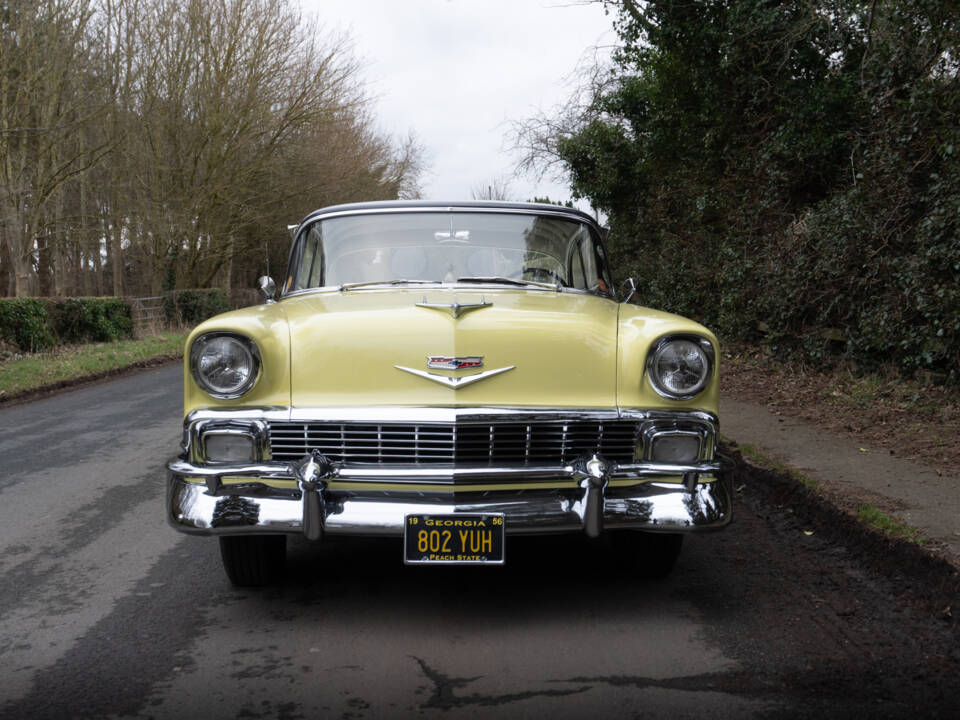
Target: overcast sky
<point>455,72</point>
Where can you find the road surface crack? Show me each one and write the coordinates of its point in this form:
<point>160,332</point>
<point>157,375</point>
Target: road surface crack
<point>444,691</point>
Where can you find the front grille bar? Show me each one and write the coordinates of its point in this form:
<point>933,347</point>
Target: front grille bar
<point>497,444</point>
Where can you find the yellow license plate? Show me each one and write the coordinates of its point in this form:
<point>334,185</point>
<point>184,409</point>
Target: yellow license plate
<point>466,539</point>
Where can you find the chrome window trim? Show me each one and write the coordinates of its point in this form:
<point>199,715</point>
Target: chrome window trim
<point>470,287</point>
<point>506,208</point>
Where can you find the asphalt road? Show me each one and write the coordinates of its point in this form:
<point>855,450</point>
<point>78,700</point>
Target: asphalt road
<point>106,611</point>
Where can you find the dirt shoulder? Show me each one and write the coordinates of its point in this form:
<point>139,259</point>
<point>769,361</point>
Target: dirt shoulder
<point>908,419</point>
<point>881,451</point>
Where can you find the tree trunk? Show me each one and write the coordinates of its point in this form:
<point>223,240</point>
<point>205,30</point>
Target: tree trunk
<point>5,274</point>
<point>58,248</point>
<point>98,250</point>
<point>44,266</point>
<point>116,253</point>
<point>16,233</point>
<point>228,270</point>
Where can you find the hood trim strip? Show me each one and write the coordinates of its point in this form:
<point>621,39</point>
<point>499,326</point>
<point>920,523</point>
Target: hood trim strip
<point>456,309</point>
<point>455,382</point>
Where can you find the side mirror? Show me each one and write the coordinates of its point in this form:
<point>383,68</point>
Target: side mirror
<point>268,288</point>
<point>629,290</point>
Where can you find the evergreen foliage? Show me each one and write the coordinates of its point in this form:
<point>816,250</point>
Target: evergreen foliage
<point>78,320</point>
<point>785,171</point>
<point>33,324</point>
<point>23,323</point>
<point>191,307</point>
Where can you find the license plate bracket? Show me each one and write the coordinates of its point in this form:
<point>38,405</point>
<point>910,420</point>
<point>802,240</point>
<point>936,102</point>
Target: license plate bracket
<point>461,539</point>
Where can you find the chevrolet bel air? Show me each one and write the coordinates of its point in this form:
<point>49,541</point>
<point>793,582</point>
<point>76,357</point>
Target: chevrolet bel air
<point>453,375</point>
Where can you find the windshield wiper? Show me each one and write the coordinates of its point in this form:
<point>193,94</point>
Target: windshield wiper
<point>494,279</point>
<point>351,286</point>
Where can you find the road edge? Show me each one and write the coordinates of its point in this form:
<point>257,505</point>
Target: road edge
<point>934,572</point>
<point>25,396</point>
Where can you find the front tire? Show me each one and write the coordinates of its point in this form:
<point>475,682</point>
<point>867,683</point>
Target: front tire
<point>649,555</point>
<point>253,560</point>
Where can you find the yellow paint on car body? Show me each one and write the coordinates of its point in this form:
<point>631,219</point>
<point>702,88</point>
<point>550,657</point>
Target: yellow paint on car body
<point>569,350</point>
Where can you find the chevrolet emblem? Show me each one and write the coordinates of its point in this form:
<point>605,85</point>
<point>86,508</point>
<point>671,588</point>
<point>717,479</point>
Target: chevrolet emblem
<point>444,362</point>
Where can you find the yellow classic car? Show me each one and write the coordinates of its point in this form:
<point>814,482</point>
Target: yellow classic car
<point>454,375</point>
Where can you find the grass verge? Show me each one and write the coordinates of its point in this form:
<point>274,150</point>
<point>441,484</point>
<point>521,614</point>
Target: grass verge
<point>868,515</point>
<point>891,527</point>
<point>758,458</point>
<point>20,375</point>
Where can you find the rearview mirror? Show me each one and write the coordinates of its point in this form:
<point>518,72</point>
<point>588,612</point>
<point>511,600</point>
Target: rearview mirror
<point>629,290</point>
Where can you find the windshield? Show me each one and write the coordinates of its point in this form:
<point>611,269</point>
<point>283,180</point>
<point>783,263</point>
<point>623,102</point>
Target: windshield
<point>449,247</point>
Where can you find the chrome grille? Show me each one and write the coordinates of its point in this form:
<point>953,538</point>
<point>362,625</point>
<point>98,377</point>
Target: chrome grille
<point>500,444</point>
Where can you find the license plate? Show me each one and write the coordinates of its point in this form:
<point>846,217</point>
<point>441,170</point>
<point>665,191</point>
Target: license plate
<point>453,539</point>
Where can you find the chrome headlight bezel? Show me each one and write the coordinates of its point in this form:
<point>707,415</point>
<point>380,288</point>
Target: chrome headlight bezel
<point>702,345</point>
<point>246,345</point>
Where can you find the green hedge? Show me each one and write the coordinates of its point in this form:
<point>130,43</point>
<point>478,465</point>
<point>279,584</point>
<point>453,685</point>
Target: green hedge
<point>38,323</point>
<point>190,307</point>
<point>32,324</point>
<point>23,323</point>
<point>784,172</point>
<point>77,320</point>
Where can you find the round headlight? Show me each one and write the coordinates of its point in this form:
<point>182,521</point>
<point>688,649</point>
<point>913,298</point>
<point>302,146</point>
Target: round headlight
<point>224,365</point>
<point>679,368</point>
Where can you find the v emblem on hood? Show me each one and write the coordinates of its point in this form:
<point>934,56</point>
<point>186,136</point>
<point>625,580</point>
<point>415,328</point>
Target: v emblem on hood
<point>455,308</point>
<point>455,382</point>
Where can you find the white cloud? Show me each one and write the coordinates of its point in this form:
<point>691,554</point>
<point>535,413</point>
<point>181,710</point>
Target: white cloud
<point>457,71</point>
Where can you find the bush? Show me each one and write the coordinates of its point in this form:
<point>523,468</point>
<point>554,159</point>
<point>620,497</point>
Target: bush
<point>190,307</point>
<point>784,173</point>
<point>38,323</point>
<point>77,320</point>
<point>23,322</point>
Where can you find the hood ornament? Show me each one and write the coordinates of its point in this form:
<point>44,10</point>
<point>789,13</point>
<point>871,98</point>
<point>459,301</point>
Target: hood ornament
<point>455,382</point>
<point>456,309</point>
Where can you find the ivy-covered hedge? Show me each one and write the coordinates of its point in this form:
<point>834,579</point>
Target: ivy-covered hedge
<point>23,323</point>
<point>189,307</point>
<point>786,173</point>
<point>77,320</point>
<point>33,324</point>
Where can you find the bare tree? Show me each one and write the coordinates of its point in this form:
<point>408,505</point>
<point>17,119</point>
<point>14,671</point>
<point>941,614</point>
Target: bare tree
<point>496,189</point>
<point>150,144</point>
<point>44,107</point>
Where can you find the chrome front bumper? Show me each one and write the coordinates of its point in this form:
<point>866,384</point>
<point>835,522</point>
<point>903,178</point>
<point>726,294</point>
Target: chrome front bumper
<point>321,498</point>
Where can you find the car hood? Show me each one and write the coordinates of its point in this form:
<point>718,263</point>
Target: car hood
<point>371,347</point>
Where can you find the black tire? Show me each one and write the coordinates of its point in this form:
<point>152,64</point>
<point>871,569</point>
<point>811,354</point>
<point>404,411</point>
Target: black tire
<point>649,555</point>
<point>254,560</point>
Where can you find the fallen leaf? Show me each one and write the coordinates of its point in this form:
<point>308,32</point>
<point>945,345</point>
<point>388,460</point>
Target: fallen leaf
<point>808,532</point>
